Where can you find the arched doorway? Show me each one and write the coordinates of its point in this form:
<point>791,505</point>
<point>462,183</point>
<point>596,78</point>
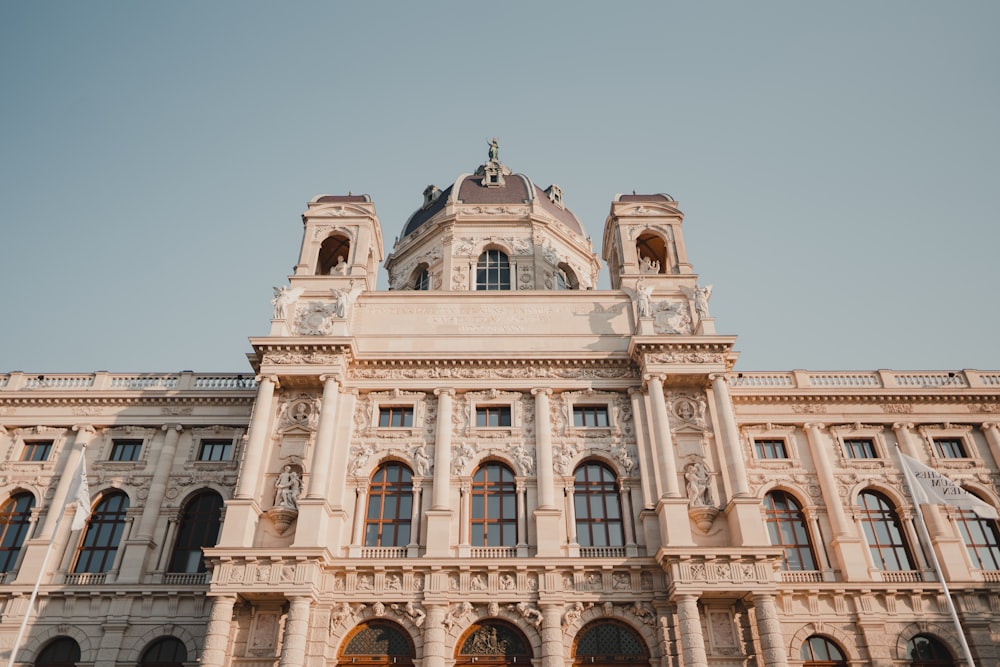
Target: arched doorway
<point>609,643</point>
<point>492,642</point>
<point>377,644</point>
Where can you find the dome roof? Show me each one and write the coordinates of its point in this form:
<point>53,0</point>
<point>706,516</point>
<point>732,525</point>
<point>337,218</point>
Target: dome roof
<point>516,189</point>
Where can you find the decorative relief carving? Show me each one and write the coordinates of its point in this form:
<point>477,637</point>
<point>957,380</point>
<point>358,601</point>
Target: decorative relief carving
<point>524,460</point>
<point>484,372</point>
<point>984,408</point>
<point>415,613</point>
<point>688,409</point>
<point>290,357</point>
<point>563,457</point>
<point>672,317</point>
<point>300,411</point>
<point>458,615</point>
<point>461,456</point>
<point>528,612</point>
<point>687,357</point>
<point>809,408</point>
<point>896,408</point>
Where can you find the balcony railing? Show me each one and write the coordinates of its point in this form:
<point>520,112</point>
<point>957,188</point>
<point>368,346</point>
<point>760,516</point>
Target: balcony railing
<point>865,380</point>
<point>383,552</point>
<point>804,577</point>
<point>902,576</point>
<point>493,552</point>
<point>101,381</point>
<point>602,552</point>
<point>185,579</point>
<point>86,578</point>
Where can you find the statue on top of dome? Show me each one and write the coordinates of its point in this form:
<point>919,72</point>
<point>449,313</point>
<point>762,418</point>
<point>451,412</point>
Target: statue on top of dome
<point>494,150</point>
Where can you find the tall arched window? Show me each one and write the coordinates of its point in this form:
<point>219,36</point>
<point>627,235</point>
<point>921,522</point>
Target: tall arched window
<point>334,254</point>
<point>819,651</point>
<point>494,507</point>
<point>925,651</point>
<point>103,533</point>
<point>199,528</point>
<point>884,532</point>
<point>60,652</point>
<point>15,518</point>
<point>598,506</point>
<point>786,526</point>
<point>493,271</point>
<point>982,540</point>
<point>390,507</point>
<point>164,652</point>
<point>423,280</point>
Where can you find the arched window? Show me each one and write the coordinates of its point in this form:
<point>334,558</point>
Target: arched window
<point>492,642</point>
<point>423,280</point>
<point>652,254</point>
<point>164,652</point>
<point>103,533</point>
<point>390,506</point>
<point>378,643</point>
<point>494,507</point>
<point>493,271</point>
<point>199,528</point>
<point>598,506</point>
<point>15,518</point>
<point>982,540</point>
<point>925,651</point>
<point>60,652</point>
<point>819,651</point>
<point>884,532</point>
<point>610,642</point>
<point>334,254</point>
<point>566,278</point>
<point>786,526</point>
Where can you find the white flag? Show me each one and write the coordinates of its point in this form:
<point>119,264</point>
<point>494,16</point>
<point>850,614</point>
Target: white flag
<point>931,487</point>
<point>80,496</point>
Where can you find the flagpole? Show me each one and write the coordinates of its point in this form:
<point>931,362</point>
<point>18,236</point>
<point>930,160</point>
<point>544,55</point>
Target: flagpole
<point>926,537</point>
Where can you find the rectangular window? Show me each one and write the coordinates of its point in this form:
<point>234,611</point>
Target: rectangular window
<point>770,449</point>
<point>215,450</point>
<point>585,416</point>
<point>396,416</point>
<point>860,448</point>
<point>125,450</point>
<point>493,416</point>
<point>950,448</point>
<point>37,450</point>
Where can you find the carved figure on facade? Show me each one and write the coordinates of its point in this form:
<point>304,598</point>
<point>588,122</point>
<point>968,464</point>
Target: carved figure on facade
<point>344,298</point>
<point>493,608</point>
<point>313,318</point>
<point>457,615</point>
<point>700,295</point>
<point>461,455</point>
<point>478,582</point>
<point>494,150</point>
<point>573,614</point>
<point>300,412</point>
<point>621,581</point>
<point>284,298</point>
<point>344,614</point>
<point>361,455</point>
<point>648,265</point>
<point>340,268</point>
<point>421,461</point>
<point>507,583</point>
<point>689,410</point>
<point>644,612</point>
<point>562,458</point>
<point>365,582</point>
<point>415,613</point>
<point>525,462</point>
<point>528,612</point>
<point>288,488</point>
<point>642,296</point>
<point>672,317</point>
<point>378,609</point>
<point>393,582</point>
<point>698,478</point>
<point>624,459</point>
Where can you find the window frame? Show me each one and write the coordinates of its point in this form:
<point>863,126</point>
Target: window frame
<point>779,521</point>
<point>846,432</point>
<point>136,443</point>
<point>608,492</point>
<point>31,447</point>
<point>954,445</point>
<point>228,445</point>
<point>597,408</point>
<point>390,410</point>
<point>193,528</point>
<point>15,524</point>
<point>931,434</point>
<point>481,493</point>
<point>383,490</point>
<point>761,453</point>
<point>102,543</point>
<point>850,445</point>
<point>493,261</point>
<point>870,519</point>
<point>486,410</point>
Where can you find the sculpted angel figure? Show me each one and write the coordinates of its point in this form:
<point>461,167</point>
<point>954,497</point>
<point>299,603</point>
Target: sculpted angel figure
<point>344,298</point>
<point>642,295</point>
<point>283,298</point>
<point>700,295</point>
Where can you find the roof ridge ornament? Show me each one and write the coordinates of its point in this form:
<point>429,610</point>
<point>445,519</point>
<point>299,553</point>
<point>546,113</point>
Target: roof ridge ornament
<point>493,170</point>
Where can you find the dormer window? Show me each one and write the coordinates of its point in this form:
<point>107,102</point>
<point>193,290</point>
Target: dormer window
<point>431,193</point>
<point>555,195</point>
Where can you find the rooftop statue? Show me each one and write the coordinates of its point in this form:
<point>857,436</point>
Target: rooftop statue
<point>494,150</point>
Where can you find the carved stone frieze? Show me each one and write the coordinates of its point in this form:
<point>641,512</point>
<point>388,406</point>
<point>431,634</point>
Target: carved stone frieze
<point>487,372</point>
<point>290,357</point>
<point>808,408</point>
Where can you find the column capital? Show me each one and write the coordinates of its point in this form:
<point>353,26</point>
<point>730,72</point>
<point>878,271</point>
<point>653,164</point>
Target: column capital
<point>902,426</point>
<point>326,378</point>
<point>444,391</point>
<point>814,426</point>
<point>87,429</point>
<point>657,377</point>
<point>714,377</point>
<point>172,427</point>
<point>273,379</point>
<point>546,391</point>
<point>990,426</point>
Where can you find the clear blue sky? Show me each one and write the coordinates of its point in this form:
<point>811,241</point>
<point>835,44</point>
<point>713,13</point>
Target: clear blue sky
<point>836,162</point>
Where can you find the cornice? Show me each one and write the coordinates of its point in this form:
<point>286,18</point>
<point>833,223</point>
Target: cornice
<point>53,399</point>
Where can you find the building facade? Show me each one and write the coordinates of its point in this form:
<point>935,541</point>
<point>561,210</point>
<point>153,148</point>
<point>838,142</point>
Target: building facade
<point>495,462</point>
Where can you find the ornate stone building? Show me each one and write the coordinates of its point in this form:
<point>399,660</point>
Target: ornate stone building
<point>494,462</point>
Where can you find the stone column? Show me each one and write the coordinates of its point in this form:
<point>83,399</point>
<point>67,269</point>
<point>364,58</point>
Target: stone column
<point>442,450</point>
<point>664,442</point>
<point>216,647</point>
<point>552,635</point>
<point>827,483</point>
<point>730,435</point>
<point>646,460</point>
<point>439,515</point>
<point>904,436</point>
<point>319,471</point>
<point>463,515</point>
<point>434,634</point>
<point>84,436</point>
<point>543,449</point>
<point>992,431</point>
<point>521,500</point>
<point>769,630</point>
<point>415,519</point>
<point>689,630</point>
<point>360,505</point>
<point>293,648</point>
<point>625,498</point>
<point>158,485</point>
<point>571,515</point>
<point>253,457</point>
